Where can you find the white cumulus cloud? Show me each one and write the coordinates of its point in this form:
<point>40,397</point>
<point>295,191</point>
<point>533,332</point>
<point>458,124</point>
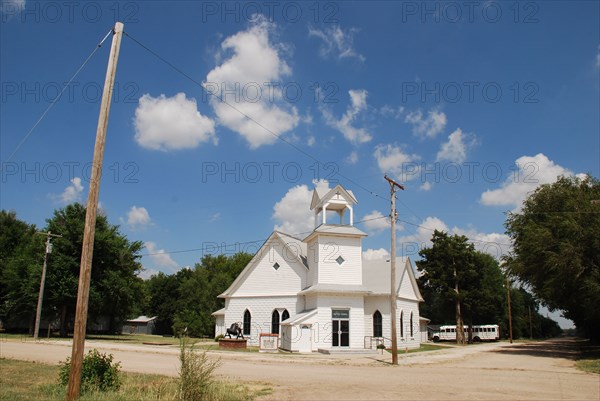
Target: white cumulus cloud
<point>496,244</point>
<point>159,257</point>
<point>10,8</point>
<point>292,213</point>
<point>424,231</point>
<point>532,171</point>
<point>392,159</point>
<point>358,104</point>
<point>428,126</point>
<point>352,157</point>
<point>171,123</point>
<point>138,217</point>
<point>426,186</point>
<point>72,193</point>
<point>455,150</point>
<point>375,221</point>
<point>375,254</point>
<point>254,71</point>
<point>336,41</point>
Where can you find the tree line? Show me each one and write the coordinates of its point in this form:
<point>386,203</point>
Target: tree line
<point>464,286</point>
<point>554,261</point>
<point>116,291</point>
<point>182,300</point>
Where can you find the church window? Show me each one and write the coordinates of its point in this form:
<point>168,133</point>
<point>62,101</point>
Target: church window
<point>285,315</point>
<point>340,260</point>
<point>401,324</point>
<point>276,266</point>
<point>275,322</point>
<point>411,325</point>
<point>377,324</point>
<point>247,322</point>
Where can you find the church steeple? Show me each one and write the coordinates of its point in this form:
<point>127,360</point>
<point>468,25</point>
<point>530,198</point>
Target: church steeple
<point>336,199</point>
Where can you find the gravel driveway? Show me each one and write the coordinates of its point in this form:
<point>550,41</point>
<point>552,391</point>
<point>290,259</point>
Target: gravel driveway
<point>495,371</point>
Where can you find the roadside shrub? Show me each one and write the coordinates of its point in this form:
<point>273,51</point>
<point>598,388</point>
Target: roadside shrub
<point>196,382</point>
<point>220,336</point>
<point>98,372</point>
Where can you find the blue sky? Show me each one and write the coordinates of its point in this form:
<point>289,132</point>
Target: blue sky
<point>470,104</point>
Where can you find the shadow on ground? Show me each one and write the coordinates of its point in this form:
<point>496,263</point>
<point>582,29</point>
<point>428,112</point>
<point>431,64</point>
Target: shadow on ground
<point>567,348</point>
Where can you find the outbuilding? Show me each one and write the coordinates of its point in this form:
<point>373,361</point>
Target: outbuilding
<point>140,325</point>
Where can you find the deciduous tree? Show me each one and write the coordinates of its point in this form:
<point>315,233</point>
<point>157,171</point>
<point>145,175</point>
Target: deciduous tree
<point>556,248</point>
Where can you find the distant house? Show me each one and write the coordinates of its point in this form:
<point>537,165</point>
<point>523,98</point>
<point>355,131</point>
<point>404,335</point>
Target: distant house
<point>140,325</point>
<point>318,293</point>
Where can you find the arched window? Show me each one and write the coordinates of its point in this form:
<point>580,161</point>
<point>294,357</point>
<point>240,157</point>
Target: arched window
<point>402,324</point>
<point>411,325</point>
<point>285,315</point>
<point>275,322</point>
<point>377,324</point>
<point>247,322</point>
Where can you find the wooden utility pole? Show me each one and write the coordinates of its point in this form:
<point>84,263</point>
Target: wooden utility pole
<point>509,310</point>
<point>394,186</point>
<point>85,269</point>
<point>530,326</point>
<point>38,313</point>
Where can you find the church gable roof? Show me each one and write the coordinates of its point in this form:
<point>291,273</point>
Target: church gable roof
<point>279,267</point>
<point>376,278</point>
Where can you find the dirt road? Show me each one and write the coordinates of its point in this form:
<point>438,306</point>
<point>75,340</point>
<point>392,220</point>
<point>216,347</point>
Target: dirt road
<point>498,371</point>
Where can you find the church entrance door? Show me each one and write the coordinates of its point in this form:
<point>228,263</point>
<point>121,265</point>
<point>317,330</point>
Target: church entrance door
<point>340,324</point>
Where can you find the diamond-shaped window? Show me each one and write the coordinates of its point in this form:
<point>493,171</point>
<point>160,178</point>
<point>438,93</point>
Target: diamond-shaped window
<point>276,266</point>
<point>340,260</point>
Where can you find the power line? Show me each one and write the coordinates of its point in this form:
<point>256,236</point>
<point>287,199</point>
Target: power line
<point>226,245</point>
<point>223,245</point>
<point>51,105</point>
<point>221,99</point>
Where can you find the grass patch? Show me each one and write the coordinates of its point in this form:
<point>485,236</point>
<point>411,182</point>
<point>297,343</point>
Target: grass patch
<point>590,358</point>
<point>114,338</point>
<point>422,348</point>
<point>589,365</point>
<point>26,381</point>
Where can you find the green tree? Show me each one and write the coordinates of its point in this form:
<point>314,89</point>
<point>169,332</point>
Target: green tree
<point>485,302</point>
<point>115,288</point>
<point>21,256</point>
<point>556,248</point>
<point>198,294</point>
<point>448,268</point>
<point>164,298</point>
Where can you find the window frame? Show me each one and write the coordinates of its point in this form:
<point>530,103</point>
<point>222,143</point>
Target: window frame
<point>247,323</point>
<point>377,324</point>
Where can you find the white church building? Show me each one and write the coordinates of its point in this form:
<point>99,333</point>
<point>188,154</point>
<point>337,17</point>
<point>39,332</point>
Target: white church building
<point>318,293</point>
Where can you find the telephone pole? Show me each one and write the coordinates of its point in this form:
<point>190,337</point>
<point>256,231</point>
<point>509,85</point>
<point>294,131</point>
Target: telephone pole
<point>394,186</point>
<point>509,310</point>
<point>38,313</point>
<point>85,269</point>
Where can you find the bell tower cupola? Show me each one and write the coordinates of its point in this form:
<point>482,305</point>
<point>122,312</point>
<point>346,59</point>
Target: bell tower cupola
<point>337,200</point>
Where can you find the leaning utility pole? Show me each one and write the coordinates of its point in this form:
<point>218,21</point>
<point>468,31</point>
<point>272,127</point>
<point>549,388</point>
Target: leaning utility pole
<point>85,269</point>
<point>394,186</point>
<point>38,313</point>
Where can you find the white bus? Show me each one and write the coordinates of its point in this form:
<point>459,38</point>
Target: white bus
<point>482,332</point>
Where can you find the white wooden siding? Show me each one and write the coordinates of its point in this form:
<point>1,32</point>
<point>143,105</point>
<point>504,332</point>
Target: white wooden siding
<point>329,271</point>
<point>263,279</point>
<point>261,309</point>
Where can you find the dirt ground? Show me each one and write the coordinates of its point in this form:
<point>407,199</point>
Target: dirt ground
<point>496,371</point>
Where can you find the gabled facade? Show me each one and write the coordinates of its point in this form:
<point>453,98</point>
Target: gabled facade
<point>318,293</point>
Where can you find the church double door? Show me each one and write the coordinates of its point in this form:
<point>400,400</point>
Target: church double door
<point>340,328</point>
